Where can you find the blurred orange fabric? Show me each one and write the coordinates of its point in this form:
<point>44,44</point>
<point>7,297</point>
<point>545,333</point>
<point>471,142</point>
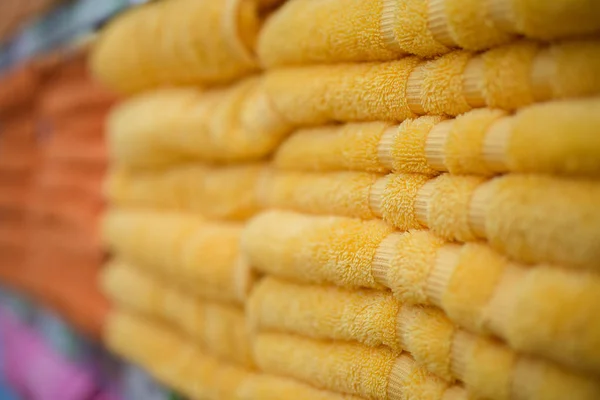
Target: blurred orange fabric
<point>52,163</point>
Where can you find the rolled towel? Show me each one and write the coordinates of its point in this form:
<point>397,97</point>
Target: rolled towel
<point>227,192</point>
<point>171,359</point>
<point>168,126</point>
<point>178,42</point>
<point>374,318</point>
<point>271,387</point>
<point>372,373</point>
<point>476,287</point>
<point>302,32</point>
<point>507,77</point>
<point>482,142</point>
<point>503,210</point>
<point>203,257</point>
<point>219,328</point>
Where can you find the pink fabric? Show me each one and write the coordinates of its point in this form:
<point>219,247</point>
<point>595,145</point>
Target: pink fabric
<point>35,370</point>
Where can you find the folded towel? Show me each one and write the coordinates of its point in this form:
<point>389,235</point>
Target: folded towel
<point>374,318</point>
<point>315,249</point>
<point>483,142</point>
<point>476,287</point>
<point>372,373</point>
<point>219,328</point>
<point>504,210</point>
<point>270,387</point>
<point>203,257</point>
<point>167,126</point>
<point>179,42</point>
<point>305,32</point>
<point>214,192</point>
<point>507,77</point>
<point>171,359</point>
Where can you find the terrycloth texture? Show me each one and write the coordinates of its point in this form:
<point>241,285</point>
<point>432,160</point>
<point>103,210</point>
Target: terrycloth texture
<point>309,32</point>
<point>167,126</point>
<point>217,193</point>
<point>314,249</point>
<point>341,193</point>
<point>540,310</point>
<point>320,250</point>
<point>270,387</point>
<point>372,373</point>
<point>305,32</point>
<point>203,257</point>
<point>374,318</point>
<point>220,329</point>
<point>171,359</point>
<point>324,312</point>
<point>507,77</point>
<point>506,210</point>
<point>178,42</point>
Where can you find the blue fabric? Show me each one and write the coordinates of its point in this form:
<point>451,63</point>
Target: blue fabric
<point>6,393</point>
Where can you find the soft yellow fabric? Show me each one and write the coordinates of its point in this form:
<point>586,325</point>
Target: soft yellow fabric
<point>214,192</point>
<point>334,193</point>
<point>220,329</point>
<point>171,359</point>
<point>427,334</point>
<point>342,92</point>
<point>474,279</point>
<point>180,42</point>
<point>554,314</point>
<point>441,86</point>
<point>351,146</point>
<point>530,307</point>
<point>372,373</point>
<point>411,27</point>
<point>397,195</point>
<point>406,260</point>
<point>166,126</point>
<point>271,387</point>
<point>537,218</point>
<point>314,249</point>
<point>308,32</point>
<point>507,72</point>
<point>560,18</point>
<point>201,256</point>
<point>469,25</point>
<point>464,145</point>
<point>448,205</point>
<point>563,135</point>
<point>407,147</point>
<point>576,64</point>
<point>324,312</point>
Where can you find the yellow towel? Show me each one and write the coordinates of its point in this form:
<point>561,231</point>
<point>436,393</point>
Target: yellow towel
<point>510,211</point>
<point>507,77</point>
<point>168,126</point>
<point>177,42</point>
<point>227,192</point>
<point>471,283</point>
<point>203,257</point>
<point>483,142</point>
<point>271,387</point>
<point>305,32</point>
<point>219,328</point>
<point>171,359</point>
<point>374,318</point>
<point>310,249</point>
<point>372,373</point>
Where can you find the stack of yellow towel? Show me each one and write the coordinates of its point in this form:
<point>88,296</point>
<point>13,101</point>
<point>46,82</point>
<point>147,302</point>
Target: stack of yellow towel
<point>350,199</point>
